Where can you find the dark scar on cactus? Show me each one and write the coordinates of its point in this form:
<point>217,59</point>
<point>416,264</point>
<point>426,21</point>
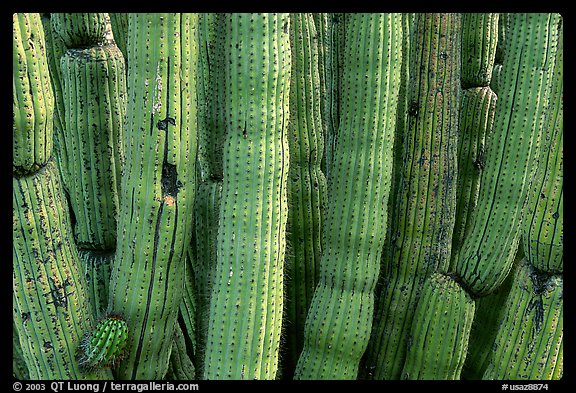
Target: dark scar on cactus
<point>413,108</point>
<point>479,162</point>
<point>59,299</point>
<point>163,124</point>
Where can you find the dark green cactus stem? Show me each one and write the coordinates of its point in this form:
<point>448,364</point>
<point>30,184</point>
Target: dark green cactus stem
<point>19,367</point>
<point>203,259</point>
<point>80,30</point>
<point>94,97</point>
<point>105,345</point>
<point>420,233</point>
<point>119,26</point>
<point>97,267</point>
<point>211,88</point>
<point>188,315</point>
<point>437,345</point>
<point>529,342</point>
<point>333,62</point>
<point>479,40</point>
<point>55,49</point>
<point>306,184</point>
<point>51,307</point>
<point>487,315</point>
<point>33,99</point>
<point>340,315</point>
<point>247,297</point>
<point>181,367</point>
<point>543,223</point>
<point>158,187</point>
<point>475,125</point>
<point>486,256</point>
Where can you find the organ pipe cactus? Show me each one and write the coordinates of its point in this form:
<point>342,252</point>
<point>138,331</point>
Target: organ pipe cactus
<point>279,196</point>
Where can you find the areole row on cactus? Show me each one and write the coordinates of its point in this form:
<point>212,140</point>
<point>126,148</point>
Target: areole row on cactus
<point>278,196</point>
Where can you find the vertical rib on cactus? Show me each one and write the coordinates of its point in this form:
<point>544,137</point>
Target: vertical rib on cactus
<point>51,307</point>
<point>529,342</point>
<point>306,184</point>
<point>79,30</point>
<point>438,342</point>
<point>206,213</point>
<point>55,48</point>
<point>33,100</point>
<point>420,236</point>
<point>479,40</point>
<point>543,223</point>
<point>119,26</point>
<point>334,61</point>
<point>340,315</point>
<point>247,296</point>
<point>94,97</point>
<point>19,367</point>
<point>158,187</point>
<point>486,256</point>
<point>180,367</point>
<point>487,315</point>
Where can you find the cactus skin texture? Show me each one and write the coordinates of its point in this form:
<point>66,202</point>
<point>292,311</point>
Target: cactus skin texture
<point>105,345</point>
<point>157,188</point>
<point>306,184</point>
<point>94,97</point>
<point>181,367</point>
<point>529,343</point>
<point>543,222</point>
<point>487,315</point>
<point>119,26</point>
<point>424,208</point>
<point>339,319</point>
<point>50,301</point>
<point>479,41</point>
<point>79,30</point>
<point>442,307</point>
<point>33,99</point>
<point>246,303</point>
<point>486,256</point>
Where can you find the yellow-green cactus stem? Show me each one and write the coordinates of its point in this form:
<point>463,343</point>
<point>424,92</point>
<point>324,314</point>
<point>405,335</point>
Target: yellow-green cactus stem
<point>246,301</point>
<point>423,214</point>
<point>438,340</point>
<point>339,319</point>
<point>529,342</point>
<point>97,268</point>
<point>51,306</point>
<point>33,99</point>
<point>157,188</point>
<point>104,345</point>
<point>80,30</point>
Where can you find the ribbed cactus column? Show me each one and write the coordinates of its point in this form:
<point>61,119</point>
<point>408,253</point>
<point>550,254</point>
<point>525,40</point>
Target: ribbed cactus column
<point>529,340</point>
<point>529,344</point>
<point>246,304</point>
<point>340,315</point>
<point>488,250</point>
<point>92,90</point>
<point>423,213</point>
<point>51,308</point>
<point>306,184</point>
<point>211,133</point>
<point>157,188</point>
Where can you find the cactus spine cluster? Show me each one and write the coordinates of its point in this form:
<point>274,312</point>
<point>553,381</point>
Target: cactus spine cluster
<point>287,196</point>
